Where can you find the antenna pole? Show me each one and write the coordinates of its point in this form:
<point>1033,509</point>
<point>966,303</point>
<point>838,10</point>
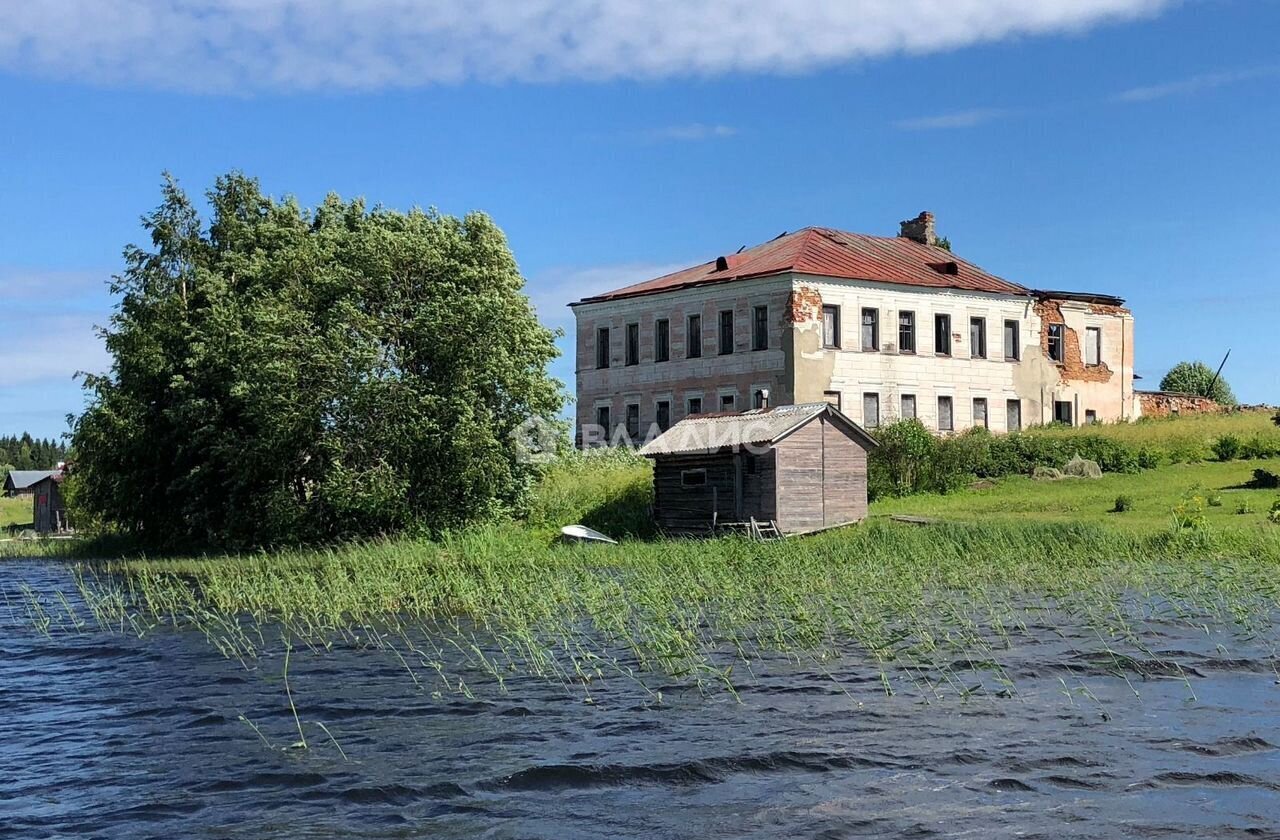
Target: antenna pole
<point>1214,381</point>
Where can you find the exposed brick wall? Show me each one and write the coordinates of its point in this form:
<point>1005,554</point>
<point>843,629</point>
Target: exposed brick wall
<point>1164,403</point>
<point>1072,366</point>
<point>804,304</point>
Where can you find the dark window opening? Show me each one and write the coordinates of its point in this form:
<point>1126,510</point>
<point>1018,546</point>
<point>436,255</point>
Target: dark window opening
<point>870,410</point>
<point>602,347</point>
<point>728,402</point>
<point>978,338</point>
<point>633,344</point>
<point>693,337</point>
<point>1012,349</point>
<point>757,399</point>
<point>1057,348</point>
<point>694,405</point>
<point>602,418</point>
<point>693,478</point>
<point>726,332</point>
<point>980,412</point>
<point>1090,417</point>
<point>871,329</point>
<point>1013,419</point>
<point>662,414</point>
<point>661,340</point>
<point>831,327</point>
<point>942,335</point>
<point>946,422</point>
<point>906,332</point>
<point>760,328</point>
<point>1062,412</point>
<point>633,421</point>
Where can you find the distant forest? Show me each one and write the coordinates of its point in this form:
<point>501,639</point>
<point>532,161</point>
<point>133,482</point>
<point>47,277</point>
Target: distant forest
<point>27,453</point>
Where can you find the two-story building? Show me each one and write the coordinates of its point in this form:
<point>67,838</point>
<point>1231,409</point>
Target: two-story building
<point>884,327</point>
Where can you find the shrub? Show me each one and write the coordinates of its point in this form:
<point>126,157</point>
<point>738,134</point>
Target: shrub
<point>1274,515</point>
<point>904,461</point>
<point>1149,457</point>
<point>1123,504</point>
<point>1227,448</point>
<point>1189,513</point>
<point>1258,447</point>
<point>1244,508</point>
<point>1215,500</point>
<point>1275,418</point>
<point>1265,480</point>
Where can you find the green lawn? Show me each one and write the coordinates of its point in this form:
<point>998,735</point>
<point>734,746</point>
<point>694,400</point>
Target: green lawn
<point>1154,493</point>
<point>15,511</point>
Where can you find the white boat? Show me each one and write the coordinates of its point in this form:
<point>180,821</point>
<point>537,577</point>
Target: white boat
<point>581,533</point>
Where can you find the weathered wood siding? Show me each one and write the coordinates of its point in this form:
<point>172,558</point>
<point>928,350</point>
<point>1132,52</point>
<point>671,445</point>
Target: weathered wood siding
<point>759,498</point>
<point>48,512</point>
<point>844,477</point>
<point>821,478</point>
<point>689,510</point>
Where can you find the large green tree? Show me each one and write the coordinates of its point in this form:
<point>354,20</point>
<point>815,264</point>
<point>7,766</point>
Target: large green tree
<point>1197,378</point>
<point>283,375</point>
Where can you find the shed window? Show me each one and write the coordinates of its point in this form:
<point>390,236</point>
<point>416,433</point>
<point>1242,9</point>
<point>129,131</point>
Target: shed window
<point>728,402</point>
<point>633,421</point>
<point>906,332</point>
<point>978,338</point>
<point>694,405</point>
<point>661,340</point>
<point>602,347</point>
<point>662,415</point>
<point>908,406</point>
<point>1013,418</point>
<point>942,335</point>
<point>1092,345</point>
<point>980,412</point>
<point>832,397</point>
<point>946,422</point>
<point>870,410</point>
<point>693,478</point>
<point>1062,412</point>
<point>1011,342</point>
<point>760,328</point>
<point>831,327</point>
<point>693,337</point>
<point>871,329</point>
<point>1056,346</point>
<point>726,332</point>
<point>633,344</point>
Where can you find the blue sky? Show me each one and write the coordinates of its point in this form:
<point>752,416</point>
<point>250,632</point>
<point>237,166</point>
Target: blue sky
<point>1123,146</point>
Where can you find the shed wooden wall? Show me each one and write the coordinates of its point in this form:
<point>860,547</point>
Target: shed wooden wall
<point>821,478</point>
<point>845,477</point>
<point>688,510</point>
<point>47,517</point>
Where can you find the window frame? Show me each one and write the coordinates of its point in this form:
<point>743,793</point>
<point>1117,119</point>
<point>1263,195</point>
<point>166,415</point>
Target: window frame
<point>1016,344</point>
<point>1010,404</point>
<point>688,406</point>
<point>661,407</point>
<point>940,319</point>
<point>632,347</point>
<point>873,346</point>
<point>724,331</point>
<point>1093,341</point>
<point>692,336</point>
<point>661,340</point>
<point>902,407</point>
<point>978,328</point>
<point>603,348</point>
<point>908,346</point>
<point>685,476</point>
<point>873,396</point>
<point>1070,412</point>
<point>733,404</point>
<point>834,310</point>
<point>760,327</point>
<point>1056,337</point>
<point>986,412</point>
<point>951,413</point>
<point>604,419</point>
<point>757,398</point>
<point>632,433</point>
<point>839,395</point>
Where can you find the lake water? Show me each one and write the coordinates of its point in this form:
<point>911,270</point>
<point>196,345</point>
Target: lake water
<point>108,735</point>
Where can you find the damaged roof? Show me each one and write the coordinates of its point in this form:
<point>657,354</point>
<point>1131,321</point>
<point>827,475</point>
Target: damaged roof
<point>828,252</point>
<point>703,433</point>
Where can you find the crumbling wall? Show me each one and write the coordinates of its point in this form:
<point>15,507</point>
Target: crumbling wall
<point>1167,403</point>
<point>1072,367</point>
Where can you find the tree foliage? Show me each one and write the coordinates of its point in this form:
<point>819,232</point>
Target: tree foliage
<point>285,375</point>
<point>1197,378</point>
<point>23,452</point>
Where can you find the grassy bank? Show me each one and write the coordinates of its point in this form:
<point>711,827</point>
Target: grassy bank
<point>15,512</point>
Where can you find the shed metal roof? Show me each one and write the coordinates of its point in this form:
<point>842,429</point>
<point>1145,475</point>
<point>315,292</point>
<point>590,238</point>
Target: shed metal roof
<point>22,479</point>
<point>703,433</point>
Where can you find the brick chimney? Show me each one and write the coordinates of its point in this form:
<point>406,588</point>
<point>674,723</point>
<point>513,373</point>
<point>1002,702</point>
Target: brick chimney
<point>920,229</point>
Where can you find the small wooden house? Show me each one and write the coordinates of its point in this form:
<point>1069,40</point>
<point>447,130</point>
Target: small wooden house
<point>801,466</point>
<point>49,511</point>
<point>23,482</point>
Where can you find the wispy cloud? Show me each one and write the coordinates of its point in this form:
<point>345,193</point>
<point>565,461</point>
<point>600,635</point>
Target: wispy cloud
<point>1195,84</point>
<point>554,289</point>
<point>956,119</point>
<point>690,131</point>
<point>47,325</point>
<point>246,45</point>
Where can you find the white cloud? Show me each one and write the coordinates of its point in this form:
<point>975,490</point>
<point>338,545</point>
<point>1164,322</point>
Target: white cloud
<point>957,119</point>
<point>691,131</point>
<point>47,325</point>
<point>1195,84</point>
<point>246,45</point>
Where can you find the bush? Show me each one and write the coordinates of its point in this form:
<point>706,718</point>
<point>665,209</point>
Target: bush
<point>1123,504</point>
<point>1265,480</point>
<point>1258,447</point>
<point>904,462</point>
<point>1274,515</point>
<point>1149,458</point>
<point>1227,448</point>
<point>1215,500</point>
<point>1244,508</point>
<point>1275,418</point>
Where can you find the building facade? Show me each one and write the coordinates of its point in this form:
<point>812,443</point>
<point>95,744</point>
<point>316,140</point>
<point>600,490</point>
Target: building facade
<point>883,327</point>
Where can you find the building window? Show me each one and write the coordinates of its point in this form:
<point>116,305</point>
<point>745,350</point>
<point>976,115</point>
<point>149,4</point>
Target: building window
<point>1090,417</point>
<point>693,478</point>
<point>661,340</point>
<point>662,414</point>
<point>1056,347</point>
<point>693,406</point>
<point>1011,342</point>
<point>728,402</point>
<point>1062,412</point>
<point>757,399</point>
<point>726,332</point>
<point>602,419</point>
<point>633,421</point>
<point>870,410</point>
<point>980,412</point>
<point>831,327</point>
<point>693,337</point>
<point>908,406</point>
<point>633,344</point>
<point>942,335</point>
<point>760,328</point>
<point>871,329</point>
<point>946,422</point>
<point>832,397</point>
<point>906,332</point>
<point>1092,345</point>
<point>1013,415</point>
<point>978,338</point>
<point>602,347</point>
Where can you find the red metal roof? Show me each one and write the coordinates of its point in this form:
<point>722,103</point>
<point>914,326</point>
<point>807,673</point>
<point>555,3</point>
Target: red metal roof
<point>834,253</point>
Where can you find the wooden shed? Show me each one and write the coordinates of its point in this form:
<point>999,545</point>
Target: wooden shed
<point>48,510</point>
<point>803,467</point>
